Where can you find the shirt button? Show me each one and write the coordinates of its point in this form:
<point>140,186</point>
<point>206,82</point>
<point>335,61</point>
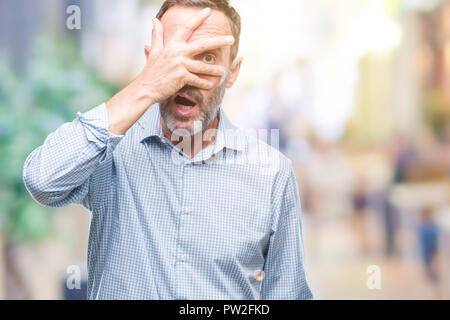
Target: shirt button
<point>186,210</point>
<point>182,257</point>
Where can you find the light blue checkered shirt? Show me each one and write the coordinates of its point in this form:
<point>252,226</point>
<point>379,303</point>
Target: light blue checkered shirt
<point>164,226</point>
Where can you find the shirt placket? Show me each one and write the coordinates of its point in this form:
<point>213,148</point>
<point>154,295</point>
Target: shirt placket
<point>184,213</point>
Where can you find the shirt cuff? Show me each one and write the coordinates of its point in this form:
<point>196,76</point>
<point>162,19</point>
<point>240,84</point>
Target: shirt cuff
<point>96,125</point>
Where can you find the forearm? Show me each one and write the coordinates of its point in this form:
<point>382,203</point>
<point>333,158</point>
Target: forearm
<point>57,172</point>
<point>128,105</point>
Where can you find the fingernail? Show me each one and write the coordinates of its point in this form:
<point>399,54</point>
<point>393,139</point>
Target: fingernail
<point>206,10</point>
<point>230,39</point>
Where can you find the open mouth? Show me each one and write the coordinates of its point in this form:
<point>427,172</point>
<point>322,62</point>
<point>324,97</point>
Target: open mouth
<point>184,102</point>
<point>184,105</point>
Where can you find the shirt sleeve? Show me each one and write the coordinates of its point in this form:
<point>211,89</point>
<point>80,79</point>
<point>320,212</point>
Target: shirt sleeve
<point>285,277</point>
<point>58,172</point>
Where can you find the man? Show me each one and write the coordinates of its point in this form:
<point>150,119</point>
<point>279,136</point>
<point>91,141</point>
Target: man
<point>215,218</point>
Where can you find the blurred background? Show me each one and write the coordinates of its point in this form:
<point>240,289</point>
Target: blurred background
<point>360,90</point>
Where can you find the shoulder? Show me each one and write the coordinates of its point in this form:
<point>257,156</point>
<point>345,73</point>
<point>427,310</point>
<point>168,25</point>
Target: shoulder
<point>262,150</point>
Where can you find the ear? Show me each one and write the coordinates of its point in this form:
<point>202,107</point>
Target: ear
<point>234,71</point>
<point>147,51</point>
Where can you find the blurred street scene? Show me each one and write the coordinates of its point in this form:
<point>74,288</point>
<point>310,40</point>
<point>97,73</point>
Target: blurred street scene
<point>360,90</point>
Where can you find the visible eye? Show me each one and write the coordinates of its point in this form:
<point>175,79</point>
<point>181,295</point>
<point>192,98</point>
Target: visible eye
<point>209,58</point>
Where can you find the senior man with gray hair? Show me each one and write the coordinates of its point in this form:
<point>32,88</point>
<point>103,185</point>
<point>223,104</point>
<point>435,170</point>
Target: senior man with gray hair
<point>173,220</point>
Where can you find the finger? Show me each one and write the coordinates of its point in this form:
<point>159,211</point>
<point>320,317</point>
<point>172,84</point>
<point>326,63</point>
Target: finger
<point>199,67</point>
<point>185,31</point>
<point>205,44</point>
<point>195,81</point>
<point>157,38</point>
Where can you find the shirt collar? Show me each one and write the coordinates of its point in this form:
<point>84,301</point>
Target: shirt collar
<point>150,123</point>
<point>228,135</point>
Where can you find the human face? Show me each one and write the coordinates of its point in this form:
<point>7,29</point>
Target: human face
<point>192,109</point>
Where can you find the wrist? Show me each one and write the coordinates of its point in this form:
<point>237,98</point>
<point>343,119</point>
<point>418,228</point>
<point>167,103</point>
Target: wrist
<point>128,105</point>
<point>144,93</point>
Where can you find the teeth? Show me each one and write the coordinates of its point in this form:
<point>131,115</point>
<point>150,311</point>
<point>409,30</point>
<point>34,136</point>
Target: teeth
<point>182,107</point>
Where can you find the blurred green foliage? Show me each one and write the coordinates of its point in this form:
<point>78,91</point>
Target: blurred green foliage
<point>54,86</point>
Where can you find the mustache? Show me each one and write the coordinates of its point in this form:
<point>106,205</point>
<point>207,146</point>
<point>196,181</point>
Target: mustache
<point>193,93</point>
